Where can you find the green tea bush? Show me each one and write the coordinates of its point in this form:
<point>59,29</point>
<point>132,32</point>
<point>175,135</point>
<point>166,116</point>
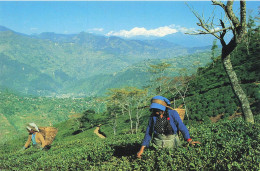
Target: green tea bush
<point>226,145</point>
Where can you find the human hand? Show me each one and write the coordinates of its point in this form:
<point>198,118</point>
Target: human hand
<point>194,142</point>
<point>139,154</point>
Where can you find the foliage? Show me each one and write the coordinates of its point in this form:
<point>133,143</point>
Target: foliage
<point>17,110</point>
<point>226,145</point>
<point>210,92</point>
<point>126,101</point>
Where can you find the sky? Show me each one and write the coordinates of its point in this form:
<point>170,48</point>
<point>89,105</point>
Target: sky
<point>110,18</point>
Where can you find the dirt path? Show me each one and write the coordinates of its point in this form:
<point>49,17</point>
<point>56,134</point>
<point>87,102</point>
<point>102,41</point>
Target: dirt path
<point>96,131</point>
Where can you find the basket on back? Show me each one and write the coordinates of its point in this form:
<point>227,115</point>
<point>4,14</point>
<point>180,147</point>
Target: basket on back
<point>181,112</point>
<point>48,134</point>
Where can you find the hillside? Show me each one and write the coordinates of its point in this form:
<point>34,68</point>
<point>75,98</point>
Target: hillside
<point>209,94</point>
<point>211,90</point>
<point>229,145</point>
<point>50,64</point>
<point>136,75</point>
<point>17,110</point>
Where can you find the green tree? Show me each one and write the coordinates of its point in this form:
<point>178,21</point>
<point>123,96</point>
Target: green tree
<point>113,108</point>
<point>250,27</point>
<point>158,76</point>
<point>213,51</point>
<point>238,27</point>
<point>88,117</point>
<point>129,99</point>
<point>178,86</point>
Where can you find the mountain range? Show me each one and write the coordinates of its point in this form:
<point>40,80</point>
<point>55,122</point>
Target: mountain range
<point>51,64</point>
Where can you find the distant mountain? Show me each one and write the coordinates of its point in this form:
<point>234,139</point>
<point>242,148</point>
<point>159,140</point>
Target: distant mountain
<point>24,78</point>
<point>63,38</point>
<point>180,39</point>
<point>117,45</point>
<point>49,63</point>
<point>136,75</point>
<point>190,40</point>
<point>2,28</point>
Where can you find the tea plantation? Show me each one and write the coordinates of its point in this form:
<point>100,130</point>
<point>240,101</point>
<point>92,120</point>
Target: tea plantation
<point>229,144</point>
<point>226,145</point>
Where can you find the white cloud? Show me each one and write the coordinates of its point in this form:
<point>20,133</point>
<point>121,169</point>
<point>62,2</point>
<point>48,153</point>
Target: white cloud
<point>141,31</point>
<point>215,29</point>
<point>182,29</point>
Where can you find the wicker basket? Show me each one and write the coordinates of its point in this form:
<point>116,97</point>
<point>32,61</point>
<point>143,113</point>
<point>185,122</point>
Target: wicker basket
<point>48,134</point>
<point>181,112</point>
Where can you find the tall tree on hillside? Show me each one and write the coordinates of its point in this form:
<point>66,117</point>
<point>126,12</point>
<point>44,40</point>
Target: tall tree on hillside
<point>113,110</point>
<point>213,51</point>
<point>158,76</point>
<point>250,26</point>
<point>238,27</point>
<point>178,86</point>
<point>128,100</point>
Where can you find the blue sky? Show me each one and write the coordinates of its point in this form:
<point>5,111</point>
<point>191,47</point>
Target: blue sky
<point>119,18</point>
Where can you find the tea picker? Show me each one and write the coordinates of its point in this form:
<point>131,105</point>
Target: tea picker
<point>163,126</point>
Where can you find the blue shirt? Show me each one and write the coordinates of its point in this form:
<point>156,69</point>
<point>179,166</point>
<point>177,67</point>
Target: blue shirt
<point>33,139</point>
<point>175,122</point>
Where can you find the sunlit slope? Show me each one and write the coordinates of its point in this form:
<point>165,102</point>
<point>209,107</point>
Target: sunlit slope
<point>227,144</point>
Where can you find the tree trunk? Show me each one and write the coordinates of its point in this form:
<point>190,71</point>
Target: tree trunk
<point>114,126</point>
<point>241,96</point>
<point>137,121</point>
<point>238,28</point>
<point>131,121</point>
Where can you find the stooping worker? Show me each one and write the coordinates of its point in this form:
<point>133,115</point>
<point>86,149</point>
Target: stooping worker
<point>163,125</point>
<point>34,136</point>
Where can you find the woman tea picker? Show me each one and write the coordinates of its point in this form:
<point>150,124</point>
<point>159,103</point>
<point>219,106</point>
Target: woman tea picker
<point>164,123</point>
<point>34,136</point>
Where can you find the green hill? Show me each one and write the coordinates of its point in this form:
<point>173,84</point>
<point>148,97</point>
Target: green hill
<point>136,75</point>
<point>210,93</point>
<point>50,64</point>
<point>229,144</point>
<point>17,110</point>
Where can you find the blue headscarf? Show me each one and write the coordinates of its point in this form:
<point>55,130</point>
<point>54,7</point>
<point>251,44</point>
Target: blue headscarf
<point>155,105</point>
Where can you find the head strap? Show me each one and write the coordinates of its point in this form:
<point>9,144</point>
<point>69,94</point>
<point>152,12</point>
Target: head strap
<point>161,102</point>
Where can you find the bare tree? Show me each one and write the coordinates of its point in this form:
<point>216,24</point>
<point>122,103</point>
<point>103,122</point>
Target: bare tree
<point>98,104</point>
<point>113,110</point>
<point>238,27</point>
<point>140,102</point>
<point>179,85</point>
<point>114,121</point>
<point>126,100</point>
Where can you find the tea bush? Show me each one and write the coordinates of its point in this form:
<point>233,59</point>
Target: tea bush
<point>226,145</point>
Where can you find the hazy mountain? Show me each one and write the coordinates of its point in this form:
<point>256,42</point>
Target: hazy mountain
<point>2,28</point>
<point>190,40</point>
<point>49,63</point>
<point>62,38</point>
<point>180,39</point>
<point>24,78</point>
